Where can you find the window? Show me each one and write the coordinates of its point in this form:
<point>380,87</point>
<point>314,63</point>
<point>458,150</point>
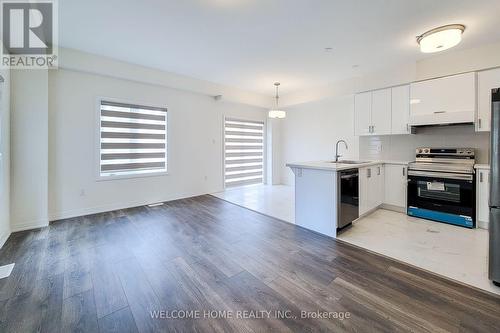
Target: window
<point>133,140</point>
<point>244,152</point>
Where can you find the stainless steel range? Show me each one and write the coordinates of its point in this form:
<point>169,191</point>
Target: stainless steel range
<point>441,186</point>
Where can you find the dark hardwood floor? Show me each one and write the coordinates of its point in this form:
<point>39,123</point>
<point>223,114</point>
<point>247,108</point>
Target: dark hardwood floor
<point>110,272</point>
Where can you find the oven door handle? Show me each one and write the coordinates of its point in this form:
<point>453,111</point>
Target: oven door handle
<point>444,175</point>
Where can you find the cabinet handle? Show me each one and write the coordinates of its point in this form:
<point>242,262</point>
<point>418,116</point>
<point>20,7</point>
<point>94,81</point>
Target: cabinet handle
<point>479,123</point>
<point>439,112</point>
<point>378,171</point>
<point>480,177</point>
<point>404,172</point>
<point>368,173</point>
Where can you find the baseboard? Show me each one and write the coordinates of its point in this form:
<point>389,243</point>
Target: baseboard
<point>30,225</point>
<point>3,239</point>
<point>111,207</point>
<point>483,225</point>
<point>394,208</point>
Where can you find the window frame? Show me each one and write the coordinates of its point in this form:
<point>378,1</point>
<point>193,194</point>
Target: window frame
<point>97,141</point>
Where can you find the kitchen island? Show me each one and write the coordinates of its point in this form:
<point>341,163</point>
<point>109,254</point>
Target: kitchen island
<point>321,203</point>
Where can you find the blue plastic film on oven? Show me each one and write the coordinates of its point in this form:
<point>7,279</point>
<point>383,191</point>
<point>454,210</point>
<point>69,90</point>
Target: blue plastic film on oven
<point>464,221</point>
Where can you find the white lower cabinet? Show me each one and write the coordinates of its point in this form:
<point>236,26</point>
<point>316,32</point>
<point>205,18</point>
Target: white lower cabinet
<point>395,185</point>
<point>364,178</point>
<point>482,197</point>
<point>371,188</point>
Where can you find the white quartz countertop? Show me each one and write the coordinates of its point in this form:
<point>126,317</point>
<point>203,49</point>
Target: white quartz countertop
<point>482,166</point>
<point>397,162</point>
<point>329,166</point>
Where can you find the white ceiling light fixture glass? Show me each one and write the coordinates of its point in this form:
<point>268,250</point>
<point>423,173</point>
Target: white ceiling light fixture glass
<point>276,112</point>
<point>440,39</point>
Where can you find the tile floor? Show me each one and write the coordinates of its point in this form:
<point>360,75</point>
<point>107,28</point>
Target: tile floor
<point>277,201</point>
<point>457,253</point>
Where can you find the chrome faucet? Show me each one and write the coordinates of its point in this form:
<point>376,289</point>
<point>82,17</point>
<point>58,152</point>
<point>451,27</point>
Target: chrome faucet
<point>337,149</point>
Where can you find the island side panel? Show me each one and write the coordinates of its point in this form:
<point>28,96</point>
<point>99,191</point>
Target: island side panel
<point>316,200</point>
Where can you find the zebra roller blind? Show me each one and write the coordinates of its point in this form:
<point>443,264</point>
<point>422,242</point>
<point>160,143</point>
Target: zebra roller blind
<point>244,152</point>
<point>133,139</point>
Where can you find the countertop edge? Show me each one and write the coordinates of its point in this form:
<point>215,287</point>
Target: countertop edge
<point>482,166</point>
<point>317,165</point>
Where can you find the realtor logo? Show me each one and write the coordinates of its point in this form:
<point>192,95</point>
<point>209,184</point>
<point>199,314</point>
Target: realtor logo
<point>29,34</point>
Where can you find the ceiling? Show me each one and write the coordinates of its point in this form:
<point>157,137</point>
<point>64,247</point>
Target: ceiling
<point>250,44</point>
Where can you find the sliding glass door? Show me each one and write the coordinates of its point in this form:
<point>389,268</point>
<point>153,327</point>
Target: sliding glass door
<point>243,152</point>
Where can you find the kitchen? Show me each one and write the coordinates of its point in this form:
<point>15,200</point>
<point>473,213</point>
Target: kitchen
<point>442,184</point>
<point>399,133</point>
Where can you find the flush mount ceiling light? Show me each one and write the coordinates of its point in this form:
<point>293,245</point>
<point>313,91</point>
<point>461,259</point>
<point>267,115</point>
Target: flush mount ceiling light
<point>276,112</point>
<point>440,39</point>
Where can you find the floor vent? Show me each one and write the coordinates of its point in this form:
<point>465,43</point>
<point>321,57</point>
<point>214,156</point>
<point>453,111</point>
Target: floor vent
<point>156,204</point>
<point>6,270</point>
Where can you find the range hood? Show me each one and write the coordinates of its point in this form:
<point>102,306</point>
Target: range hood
<point>448,100</point>
<point>442,118</point>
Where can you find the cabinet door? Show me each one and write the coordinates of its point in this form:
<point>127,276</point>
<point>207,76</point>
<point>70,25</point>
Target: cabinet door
<point>381,111</point>
<point>364,180</point>
<point>486,80</point>
<point>450,99</point>
<point>400,110</point>
<point>377,186</point>
<point>362,113</point>
<point>482,196</point>
<point>395,185</point>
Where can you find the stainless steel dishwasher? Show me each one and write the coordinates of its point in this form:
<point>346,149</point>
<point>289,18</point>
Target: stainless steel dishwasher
<point>347,197</point>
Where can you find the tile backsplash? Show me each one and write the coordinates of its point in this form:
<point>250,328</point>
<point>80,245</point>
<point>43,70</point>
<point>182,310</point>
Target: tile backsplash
<point>402,147</point>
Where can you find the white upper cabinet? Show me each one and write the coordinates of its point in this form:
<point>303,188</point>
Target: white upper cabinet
<point>486,80</point>
<point>400,110</point>
<point>372,112</point>
<point>445,100</point>
<point>381,112</point>
<point>363,113</point>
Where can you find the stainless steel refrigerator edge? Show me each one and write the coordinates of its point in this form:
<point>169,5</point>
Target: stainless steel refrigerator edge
<point>494,226</point>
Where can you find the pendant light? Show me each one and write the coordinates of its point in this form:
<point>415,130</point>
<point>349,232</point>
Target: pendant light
<point>440,39</point>
<point>276,112</point>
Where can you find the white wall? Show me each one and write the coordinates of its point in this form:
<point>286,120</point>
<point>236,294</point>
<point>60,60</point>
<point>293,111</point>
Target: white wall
<point>29,149</point>
<point>89,63</point>
<point>310,131</point>
<point>195,147</point>
<point>447,63</point>
<point>274,162</point>
<point>4,157</point>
